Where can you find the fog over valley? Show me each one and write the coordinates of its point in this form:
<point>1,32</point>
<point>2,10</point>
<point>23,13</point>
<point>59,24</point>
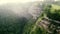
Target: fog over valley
<point>29,17</point>
<point>28,10</point>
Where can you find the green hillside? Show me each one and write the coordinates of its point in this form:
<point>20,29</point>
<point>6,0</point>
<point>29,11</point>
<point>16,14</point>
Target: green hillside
<point>14,25</point>
<point>52,12</point>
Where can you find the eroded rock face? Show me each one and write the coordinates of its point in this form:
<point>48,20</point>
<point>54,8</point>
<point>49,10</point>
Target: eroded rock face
<point>35,10</point>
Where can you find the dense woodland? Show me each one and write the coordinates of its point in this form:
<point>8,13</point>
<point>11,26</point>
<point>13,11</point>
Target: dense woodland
<point>14,25</point>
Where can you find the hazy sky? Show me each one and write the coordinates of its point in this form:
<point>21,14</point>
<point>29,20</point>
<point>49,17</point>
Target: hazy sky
<point>17,1</point>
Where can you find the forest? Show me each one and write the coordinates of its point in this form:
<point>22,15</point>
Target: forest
<point>48,22</point>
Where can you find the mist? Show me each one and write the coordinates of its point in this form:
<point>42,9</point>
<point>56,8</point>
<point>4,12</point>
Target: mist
<point>27,10</point>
